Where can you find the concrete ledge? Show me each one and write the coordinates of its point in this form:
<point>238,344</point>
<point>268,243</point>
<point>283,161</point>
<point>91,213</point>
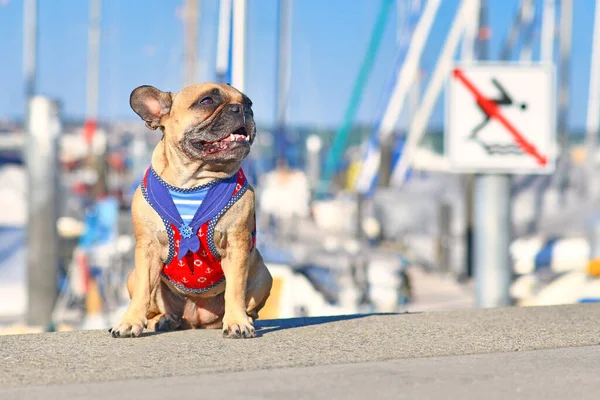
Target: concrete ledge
<point>93,356</point>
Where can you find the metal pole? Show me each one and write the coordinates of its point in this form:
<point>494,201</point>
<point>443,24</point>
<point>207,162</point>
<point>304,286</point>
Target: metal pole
<point>30,47</point>
<point>414,94</point>
<point>566,20</point>
<point>547,57</point>
<point>223,41</point>
<point>284,50</point>
<point>482,40</point>
<point>42,237</point>
<point>238,61</point>
<point>468,41</point>
<point>93,71</point>
<point>492,240</point>
<point>191,41</point>
<point>529,34</point>
<point>548,31</point>
<point>515,29</point>
<point>593,112</point>
<point>469,44</point>
<point>492,224</point>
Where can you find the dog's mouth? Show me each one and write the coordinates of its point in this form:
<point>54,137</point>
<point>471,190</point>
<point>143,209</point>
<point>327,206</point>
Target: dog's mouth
<point>240,136</point>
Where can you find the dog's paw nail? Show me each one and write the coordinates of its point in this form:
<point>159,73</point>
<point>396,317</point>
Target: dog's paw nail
<point>248,332</point>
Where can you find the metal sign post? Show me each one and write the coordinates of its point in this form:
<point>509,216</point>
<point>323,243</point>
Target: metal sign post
<point>492,233</point>
<point>499,122</point>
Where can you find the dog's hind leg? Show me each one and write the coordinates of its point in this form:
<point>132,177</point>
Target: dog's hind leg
<point>164,322</point>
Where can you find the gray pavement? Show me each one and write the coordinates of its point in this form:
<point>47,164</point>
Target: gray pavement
<point>296,357</point>
<point>556,374</point>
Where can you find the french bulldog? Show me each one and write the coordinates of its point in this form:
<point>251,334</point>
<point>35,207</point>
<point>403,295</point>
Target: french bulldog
<point>200,269</point>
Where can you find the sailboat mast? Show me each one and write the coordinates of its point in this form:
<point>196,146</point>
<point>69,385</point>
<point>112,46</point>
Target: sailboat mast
<point>93,72</point>
<point>284,56</point>
<point>238,59</point>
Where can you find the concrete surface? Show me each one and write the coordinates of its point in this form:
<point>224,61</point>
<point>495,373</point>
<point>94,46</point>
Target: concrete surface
<point>544,374</point>
<point>91,363</point>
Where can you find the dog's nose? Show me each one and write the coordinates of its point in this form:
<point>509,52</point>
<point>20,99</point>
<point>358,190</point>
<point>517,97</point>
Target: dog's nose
<point>235,108</point>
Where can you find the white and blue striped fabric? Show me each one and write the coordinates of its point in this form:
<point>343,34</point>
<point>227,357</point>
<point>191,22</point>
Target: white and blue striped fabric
<point>187,203</point>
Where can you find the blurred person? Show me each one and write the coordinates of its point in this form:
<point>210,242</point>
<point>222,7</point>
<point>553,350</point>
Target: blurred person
<point>96,247</point>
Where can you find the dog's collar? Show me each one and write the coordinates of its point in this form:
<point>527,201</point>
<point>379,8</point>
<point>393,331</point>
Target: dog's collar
<point>184,190</point>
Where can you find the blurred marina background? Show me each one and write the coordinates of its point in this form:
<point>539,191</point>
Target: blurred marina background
<point>359,207</point>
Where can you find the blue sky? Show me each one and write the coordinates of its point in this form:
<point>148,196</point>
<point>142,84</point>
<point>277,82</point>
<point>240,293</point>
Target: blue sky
<point>142,43</point>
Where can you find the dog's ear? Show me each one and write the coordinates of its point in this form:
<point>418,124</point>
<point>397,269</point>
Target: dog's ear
<point>150,104</point>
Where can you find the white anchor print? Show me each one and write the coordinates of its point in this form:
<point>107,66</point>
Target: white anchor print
<point>181,263</point>
<point>177,243</point>
<point>184,280</point>
<point>197,263</point>
<point>208,270</point>
<point>204,254</point>
<point>200,233</point>
<point>202,279</point>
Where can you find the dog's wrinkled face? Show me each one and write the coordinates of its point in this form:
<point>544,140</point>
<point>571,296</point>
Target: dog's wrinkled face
<point>209,122</point>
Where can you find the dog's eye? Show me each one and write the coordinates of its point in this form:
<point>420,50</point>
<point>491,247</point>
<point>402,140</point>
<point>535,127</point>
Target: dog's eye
<point>207,100</point>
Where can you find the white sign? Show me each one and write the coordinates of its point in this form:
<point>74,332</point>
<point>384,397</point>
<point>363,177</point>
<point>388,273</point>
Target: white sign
<point>500,118</point>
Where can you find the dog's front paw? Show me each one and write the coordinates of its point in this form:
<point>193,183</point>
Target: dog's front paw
<point>238,327</point>
<point>128,327</point>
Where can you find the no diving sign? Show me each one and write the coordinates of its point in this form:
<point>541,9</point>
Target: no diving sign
<point>500,118</point>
